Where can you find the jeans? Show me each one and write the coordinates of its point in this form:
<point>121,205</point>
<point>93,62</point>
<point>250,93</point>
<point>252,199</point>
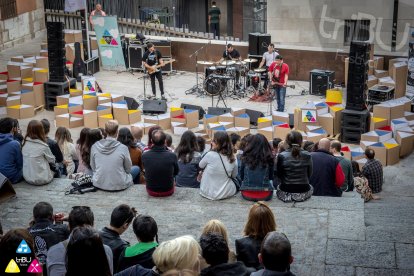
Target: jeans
<point>215,29</point>
<point>135,170</point>
<point>157,75</point>
<point>280,93</point>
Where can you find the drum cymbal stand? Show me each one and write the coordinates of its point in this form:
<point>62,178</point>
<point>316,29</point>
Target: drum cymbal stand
<point>197,89</point>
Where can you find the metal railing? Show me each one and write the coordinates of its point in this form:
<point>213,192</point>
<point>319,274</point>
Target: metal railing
<point>8,9</point>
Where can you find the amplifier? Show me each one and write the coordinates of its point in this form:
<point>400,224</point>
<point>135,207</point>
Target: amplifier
<point>320,81</point>
<point>168,68</point>
<point>135,54</point>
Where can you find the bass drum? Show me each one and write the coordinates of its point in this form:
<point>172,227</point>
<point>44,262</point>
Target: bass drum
<point>213,85</point>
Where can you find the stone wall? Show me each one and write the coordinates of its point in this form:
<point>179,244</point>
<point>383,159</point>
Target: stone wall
<point>319,23</point>
<point>23,28</point>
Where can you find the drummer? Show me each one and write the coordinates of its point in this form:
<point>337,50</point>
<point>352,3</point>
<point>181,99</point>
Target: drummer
<point>232,54</point>
<point>268,58</point>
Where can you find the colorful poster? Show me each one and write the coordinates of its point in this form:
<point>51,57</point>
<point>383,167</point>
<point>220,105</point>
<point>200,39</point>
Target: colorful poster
<point>109,42</point>
<point>308,115</point>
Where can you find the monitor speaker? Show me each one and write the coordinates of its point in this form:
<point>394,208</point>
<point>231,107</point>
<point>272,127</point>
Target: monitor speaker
<point>131,103</point>
<point>218,110</point>
<point>201,111</point>
<point>154,106</point>
<point>254,115</point>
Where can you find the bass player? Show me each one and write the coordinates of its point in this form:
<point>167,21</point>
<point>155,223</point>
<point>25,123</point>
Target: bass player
<point>150,60</point>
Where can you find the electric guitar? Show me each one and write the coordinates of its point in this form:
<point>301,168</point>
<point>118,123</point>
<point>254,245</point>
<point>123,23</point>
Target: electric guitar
<point>154,69</point>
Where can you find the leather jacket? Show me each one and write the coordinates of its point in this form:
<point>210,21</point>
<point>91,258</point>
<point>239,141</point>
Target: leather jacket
<point>294,173</point>
<point>247,250</point>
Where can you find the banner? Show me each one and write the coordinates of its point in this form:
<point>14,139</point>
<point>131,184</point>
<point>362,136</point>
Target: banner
<point>74,5</point>
<point>109,42</point>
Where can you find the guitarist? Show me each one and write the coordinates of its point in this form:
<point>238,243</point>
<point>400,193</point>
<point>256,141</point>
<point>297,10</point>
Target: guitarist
<point>279,74</point>
<point>150,60</point>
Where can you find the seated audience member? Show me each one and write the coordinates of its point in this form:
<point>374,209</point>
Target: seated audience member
<point>150,142</point>
<point>216,226</point>
<point>93,136</point>
<point>121,218</point>
<point>137,270</point>
<point>44,231</point>
<point>275,255</point>
<point>235,142</point>
<point>126,138</point>
<point>103,133</point>
<point>138,133</point>
<point>372,170</point>
<point>168,142</point>
<point>361,183</point>
<point>179,253</point>
<point>11,159</point>
<point>294,168</point>
<point>188,160</point>
<point>58,166</point>
<point>8,245</point>
<point>309,146</point>
<point>275,152</point>
<point>183,272</point>
<point>146,230</point>
<point>256,170</point>
<point>80,144</point>
<point>346,166</point>
<point>161,167</point>
<point>327,175</point>
<point>110,162</point>
<point>17,132</point>
<point>219,165</point>
<point>215,251</point>
<point>275,144</point>
<point>260,222</point>
<point>85,253</point>
<point>78,217</point>
<point>64,140</point>
<point>36,155</point>
<point>201,143</point>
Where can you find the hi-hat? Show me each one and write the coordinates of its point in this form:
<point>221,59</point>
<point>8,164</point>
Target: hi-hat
<point>250,60</point>
<point>240,62</point>
<point>227,62</point>
<point>204,62</point>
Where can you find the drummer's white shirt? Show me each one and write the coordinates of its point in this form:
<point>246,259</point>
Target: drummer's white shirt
<point>270,57</point>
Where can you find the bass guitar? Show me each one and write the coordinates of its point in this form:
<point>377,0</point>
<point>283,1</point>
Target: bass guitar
<point>154,69</point>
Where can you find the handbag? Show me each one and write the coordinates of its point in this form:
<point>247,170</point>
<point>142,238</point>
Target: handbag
<point>235,180</point>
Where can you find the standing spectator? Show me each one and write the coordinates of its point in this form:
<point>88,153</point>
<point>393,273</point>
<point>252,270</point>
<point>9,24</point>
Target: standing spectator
<point>137,133</point>
<point>36,155</point>
<point>327,175</point>
<point>256,170</point>
<point>146,230</point>
<point>275,255</point>
<point>294,169</point>
<point>278,76</point>
<point>58,166</point>
<point>11,159</point>
<point>161,167</point>
<point>346,166</point>
<point>121,218</point>
<point>93,136</point>
<point>215,250</point>
<point>218,165</point>
<point>111,163</point>
<point>85,254</point>
<point>80,145</point>
<point>126,138</point>
<point>188,160</point>
<point>372,170</point>
<point>150,142</point>
<point>260,222</point>
<point>96,12</point>
<point>214,16</point>
<point>45,233</point>
<point>64,140</point>
<point>168,142</point>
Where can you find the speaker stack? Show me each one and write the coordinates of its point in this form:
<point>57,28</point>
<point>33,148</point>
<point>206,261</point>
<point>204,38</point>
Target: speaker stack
<point>56,51</point>
<point>355,117</point>
<point>258,43</point>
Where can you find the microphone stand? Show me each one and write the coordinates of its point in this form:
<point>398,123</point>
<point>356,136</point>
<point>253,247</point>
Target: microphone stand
<point>196,88</point>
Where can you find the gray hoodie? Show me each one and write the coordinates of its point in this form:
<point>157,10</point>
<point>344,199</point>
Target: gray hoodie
<point>111,165</point>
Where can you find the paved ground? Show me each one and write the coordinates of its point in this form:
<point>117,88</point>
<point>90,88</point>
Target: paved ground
<point>330,236</point>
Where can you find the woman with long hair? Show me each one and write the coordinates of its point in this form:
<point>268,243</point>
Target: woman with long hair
<point>150,142</point>
<point>219,165</point>
<point>259,222</point>
<point>64,140</point>
<point>256,170</point>
<point>188,160</point>
<point>80,143</point>
<point>36,155</point>
<point>125,137</point>
<point>94,135</point>
<point>85,253</point>
<point>294,169</point>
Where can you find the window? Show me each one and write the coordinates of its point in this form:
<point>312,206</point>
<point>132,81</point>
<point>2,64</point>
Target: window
<point>356,30</point>
<point>7,9</point>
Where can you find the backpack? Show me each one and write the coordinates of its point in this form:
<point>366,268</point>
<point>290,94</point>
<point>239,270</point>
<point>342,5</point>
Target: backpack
<point>82,184</point>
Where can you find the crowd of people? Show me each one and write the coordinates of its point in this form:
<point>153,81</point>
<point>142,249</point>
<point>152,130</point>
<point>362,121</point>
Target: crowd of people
<point>115,159</point>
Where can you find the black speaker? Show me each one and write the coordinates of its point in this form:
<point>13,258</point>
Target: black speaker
<point>218,110</point>
<point>135,54</point>
<point>164,46</point>
<point>154,106</point>
<point>131,103</point>
<point>258,43</point>
<point>320,81</point>
<point>201,111</point>
<point>254,115</point>
<point>56,51</point>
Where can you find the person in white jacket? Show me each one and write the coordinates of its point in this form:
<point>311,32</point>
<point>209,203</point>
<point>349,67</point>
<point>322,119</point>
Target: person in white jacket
<point>36,155</point>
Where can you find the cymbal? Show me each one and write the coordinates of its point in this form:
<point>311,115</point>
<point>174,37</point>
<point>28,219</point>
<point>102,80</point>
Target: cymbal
<point>227,62</point>
<point>240,62</point>
<point>250,60</point>
<point>204,62</point>
<point>259,70</point>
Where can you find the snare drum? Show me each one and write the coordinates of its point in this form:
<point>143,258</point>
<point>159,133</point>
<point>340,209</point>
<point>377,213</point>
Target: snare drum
<point>210,70</point>
<point>253,79</point>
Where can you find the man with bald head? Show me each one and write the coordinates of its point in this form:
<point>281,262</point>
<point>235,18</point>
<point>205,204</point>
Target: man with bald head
<point>327,176</point>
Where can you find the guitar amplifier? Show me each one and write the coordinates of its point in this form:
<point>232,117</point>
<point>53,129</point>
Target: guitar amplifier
<point>167,68</point>
<point>135,54</point>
